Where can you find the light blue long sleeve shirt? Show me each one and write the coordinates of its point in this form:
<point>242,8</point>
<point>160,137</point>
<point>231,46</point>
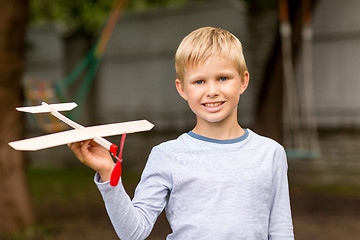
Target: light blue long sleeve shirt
<point>210,189</point>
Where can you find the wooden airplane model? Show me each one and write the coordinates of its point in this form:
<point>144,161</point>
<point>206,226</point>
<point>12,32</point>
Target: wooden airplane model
<point>80,133</point>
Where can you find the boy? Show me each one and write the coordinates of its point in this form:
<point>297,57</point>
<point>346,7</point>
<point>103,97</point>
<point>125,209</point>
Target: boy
<point>219,181</point>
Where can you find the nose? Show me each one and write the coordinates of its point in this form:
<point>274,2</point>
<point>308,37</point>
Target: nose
<point>213,90</point>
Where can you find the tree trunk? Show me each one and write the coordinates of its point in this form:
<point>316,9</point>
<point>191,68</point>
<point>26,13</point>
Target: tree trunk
<point>15,210</point>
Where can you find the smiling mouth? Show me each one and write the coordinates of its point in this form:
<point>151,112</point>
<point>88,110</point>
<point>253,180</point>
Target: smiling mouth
<point>211,105</point>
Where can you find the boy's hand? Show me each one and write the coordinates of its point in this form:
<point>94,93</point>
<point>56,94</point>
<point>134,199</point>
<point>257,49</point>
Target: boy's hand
<point>94,156</point>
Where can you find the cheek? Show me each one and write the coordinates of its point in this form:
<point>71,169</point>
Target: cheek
<point>233,91</point>
<point>193,99</point>
<point>193,94</point>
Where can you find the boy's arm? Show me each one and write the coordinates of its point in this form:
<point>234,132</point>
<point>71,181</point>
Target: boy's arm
<point>135,219</point>
<point>280,222</point>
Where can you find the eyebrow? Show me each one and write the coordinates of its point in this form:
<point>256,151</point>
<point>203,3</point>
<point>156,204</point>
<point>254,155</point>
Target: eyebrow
<point>225,73</point>
<point>196,77</point>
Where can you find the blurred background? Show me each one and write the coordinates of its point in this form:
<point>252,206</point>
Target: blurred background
<point>115,58</point>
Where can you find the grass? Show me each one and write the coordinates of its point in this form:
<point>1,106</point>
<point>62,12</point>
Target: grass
<point>68,205</point>
<point>66,183</point>
<point>337,190</point>
<point>58,183</point>
<point>60,196</point>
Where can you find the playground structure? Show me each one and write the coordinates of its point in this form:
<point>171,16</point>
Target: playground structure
<point>299,116</point>
<point>38,90</point>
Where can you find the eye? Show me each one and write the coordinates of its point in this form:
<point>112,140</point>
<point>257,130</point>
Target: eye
<point>221,79</point>
<point>199,82</point>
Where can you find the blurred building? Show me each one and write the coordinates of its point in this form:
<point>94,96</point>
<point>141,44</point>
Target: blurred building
<point>137,74</point>
<point>336,58</point>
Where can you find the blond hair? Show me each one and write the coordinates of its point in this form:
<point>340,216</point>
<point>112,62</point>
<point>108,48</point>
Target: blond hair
<point>205,42</point>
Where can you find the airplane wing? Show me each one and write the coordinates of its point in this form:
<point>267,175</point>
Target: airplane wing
<point>76,135</point>
<point>120,128</point>
<point>50,140</point>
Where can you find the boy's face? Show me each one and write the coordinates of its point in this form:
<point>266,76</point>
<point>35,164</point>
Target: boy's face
<point>213,89</point>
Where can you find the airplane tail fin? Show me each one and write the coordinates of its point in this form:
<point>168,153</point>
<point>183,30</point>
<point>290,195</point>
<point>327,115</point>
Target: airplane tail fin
<point>43,108</point>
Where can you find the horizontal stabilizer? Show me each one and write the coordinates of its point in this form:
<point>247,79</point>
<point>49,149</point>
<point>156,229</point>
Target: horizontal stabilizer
<point>44,108</point>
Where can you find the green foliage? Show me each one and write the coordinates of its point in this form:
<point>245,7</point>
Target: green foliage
<point>87,16</point>
<point>148,4</point>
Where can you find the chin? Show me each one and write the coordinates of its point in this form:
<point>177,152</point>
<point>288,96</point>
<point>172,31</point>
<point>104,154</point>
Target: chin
<point>217,118</point>
<point>213,120</point>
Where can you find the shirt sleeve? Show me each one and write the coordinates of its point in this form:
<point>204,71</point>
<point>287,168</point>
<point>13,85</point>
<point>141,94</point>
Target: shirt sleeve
<point>134,219</point>
<point>280,222</point>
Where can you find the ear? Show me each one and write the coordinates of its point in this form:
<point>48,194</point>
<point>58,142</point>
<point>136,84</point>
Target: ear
<point>244,82</point>
<point>180,89</point>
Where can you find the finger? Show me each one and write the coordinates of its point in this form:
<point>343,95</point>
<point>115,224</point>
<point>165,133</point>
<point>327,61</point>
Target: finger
<point>84,149</point>
<point>76,149</point>
<point>74,146</point>
<point>84,146</point>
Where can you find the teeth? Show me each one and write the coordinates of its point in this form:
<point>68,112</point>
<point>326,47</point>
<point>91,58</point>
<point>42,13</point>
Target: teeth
<point>212,104</point>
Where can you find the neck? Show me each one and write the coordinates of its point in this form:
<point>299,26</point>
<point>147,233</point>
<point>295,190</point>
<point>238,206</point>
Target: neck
<point>218,130</point>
